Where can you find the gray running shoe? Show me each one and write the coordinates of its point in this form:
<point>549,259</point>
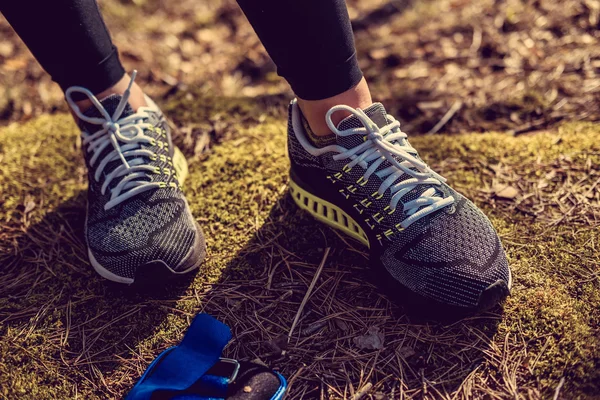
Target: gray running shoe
<point>427,241</point>
<point>138,224</point>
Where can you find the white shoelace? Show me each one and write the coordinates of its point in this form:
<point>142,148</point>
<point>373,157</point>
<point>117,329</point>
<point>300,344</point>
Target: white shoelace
<point>125,135</point>
<point>383,144</point>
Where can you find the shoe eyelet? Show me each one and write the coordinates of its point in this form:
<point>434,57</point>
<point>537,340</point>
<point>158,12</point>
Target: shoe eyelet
<point>366,203</point>
<point>347,196</point>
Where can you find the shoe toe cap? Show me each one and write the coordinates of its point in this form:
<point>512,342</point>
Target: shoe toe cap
<point>175,243</point>
<point>456,260</point>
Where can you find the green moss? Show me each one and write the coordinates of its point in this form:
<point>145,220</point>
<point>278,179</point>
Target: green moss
<point>65,331</point>
<point>28,153</point>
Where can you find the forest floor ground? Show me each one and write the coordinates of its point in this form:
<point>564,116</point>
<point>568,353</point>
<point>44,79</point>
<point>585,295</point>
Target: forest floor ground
<point>521,83</point>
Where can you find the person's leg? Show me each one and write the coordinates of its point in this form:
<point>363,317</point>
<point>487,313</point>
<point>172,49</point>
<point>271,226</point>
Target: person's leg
<point>426,241</point>
<point>70,40</point>
<point>312,44</point>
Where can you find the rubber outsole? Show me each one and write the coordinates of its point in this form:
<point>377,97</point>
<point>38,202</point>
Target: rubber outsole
<point>158,271</point>
<point>327,213</point>
<point>335,217</point>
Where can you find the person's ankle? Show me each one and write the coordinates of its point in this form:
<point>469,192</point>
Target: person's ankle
<point>137,98</point>
<point>314,110</point>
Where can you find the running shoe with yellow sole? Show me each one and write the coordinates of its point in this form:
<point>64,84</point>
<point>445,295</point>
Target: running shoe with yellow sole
<point>138,224</point>
<point>428,243</point>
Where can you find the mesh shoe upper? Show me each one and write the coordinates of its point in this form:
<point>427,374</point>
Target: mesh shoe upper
<point>450,255</point>
<point>155,225</point>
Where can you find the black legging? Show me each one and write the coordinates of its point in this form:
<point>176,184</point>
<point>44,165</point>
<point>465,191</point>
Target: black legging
<point>310,41</point>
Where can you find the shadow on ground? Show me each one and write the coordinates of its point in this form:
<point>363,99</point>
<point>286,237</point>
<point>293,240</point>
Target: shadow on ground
<point>86,324</point>
<point>348,332</point>
<point>53,301</point>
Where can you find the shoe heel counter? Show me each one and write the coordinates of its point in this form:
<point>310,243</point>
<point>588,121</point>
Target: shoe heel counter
<point>296,152</point>
<point>291,136</point>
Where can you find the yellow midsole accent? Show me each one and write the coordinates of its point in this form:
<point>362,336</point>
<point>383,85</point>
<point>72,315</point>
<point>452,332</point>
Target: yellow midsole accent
<point>180,165</point>
<point>327,213</point>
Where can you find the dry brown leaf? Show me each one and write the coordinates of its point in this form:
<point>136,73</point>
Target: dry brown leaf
<point>373,340</point>
<point>406,352</point>
<point>505,191</point>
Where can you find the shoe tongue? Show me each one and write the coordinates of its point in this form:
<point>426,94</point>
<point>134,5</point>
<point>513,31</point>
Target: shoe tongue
<point>110,104</point>
<point>375,111</point>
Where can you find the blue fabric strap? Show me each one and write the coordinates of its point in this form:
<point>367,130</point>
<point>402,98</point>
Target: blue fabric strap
<point>209,387</point>
<point>177,369</point>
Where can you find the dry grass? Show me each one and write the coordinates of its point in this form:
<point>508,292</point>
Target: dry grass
<point>503,64</point>
<point>68,334</point>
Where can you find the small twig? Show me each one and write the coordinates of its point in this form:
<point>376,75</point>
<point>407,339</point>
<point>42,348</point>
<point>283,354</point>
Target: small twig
<point>363,391</point>
<point>476,44</point>
<point>284,296</point>
<point>312,328</point>
<point>272,273</point>
<point>592,188</point>
<point>560,385</point>
<point>308,292</point>
<point>293,378</point>
<point>453,110</point>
